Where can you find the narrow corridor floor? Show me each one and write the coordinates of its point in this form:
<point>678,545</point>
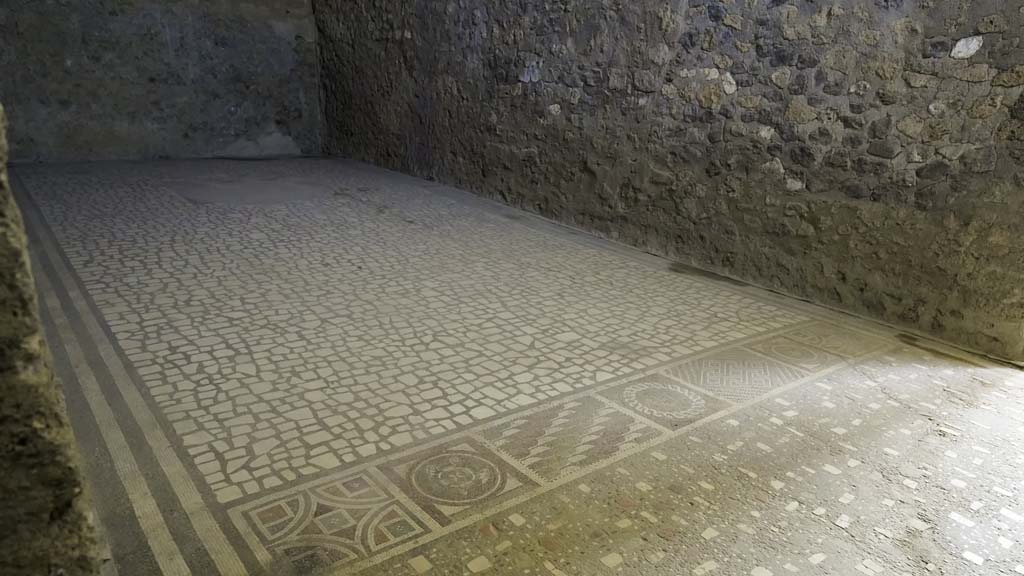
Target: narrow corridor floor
<point>308,366</point>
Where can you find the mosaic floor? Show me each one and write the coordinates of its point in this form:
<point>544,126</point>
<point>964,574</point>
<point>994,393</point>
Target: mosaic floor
<point>318,367</point>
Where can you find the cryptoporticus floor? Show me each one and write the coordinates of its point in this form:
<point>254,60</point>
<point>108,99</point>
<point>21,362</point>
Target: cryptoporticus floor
<point>315,366</point>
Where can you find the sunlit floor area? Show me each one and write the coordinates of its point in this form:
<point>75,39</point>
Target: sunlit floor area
<point>300,367</point>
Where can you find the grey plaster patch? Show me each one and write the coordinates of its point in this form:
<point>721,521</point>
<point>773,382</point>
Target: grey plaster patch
<point>271,143</point>
<point>110,79</point>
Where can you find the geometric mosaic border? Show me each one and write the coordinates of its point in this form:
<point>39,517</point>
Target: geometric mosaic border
<point>442,486</point>
<point>334,522</point>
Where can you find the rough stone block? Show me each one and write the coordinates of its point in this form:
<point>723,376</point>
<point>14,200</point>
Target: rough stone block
<point>46,527</point>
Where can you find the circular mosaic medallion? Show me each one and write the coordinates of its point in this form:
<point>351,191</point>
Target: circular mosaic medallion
<point>663,400</point>
<point>456,478</point>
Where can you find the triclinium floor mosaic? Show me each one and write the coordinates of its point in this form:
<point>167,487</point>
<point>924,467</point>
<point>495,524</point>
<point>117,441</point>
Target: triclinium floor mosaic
<point>318,367</point>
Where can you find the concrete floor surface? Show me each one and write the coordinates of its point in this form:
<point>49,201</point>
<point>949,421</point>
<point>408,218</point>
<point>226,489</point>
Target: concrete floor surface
<point>320,367</point>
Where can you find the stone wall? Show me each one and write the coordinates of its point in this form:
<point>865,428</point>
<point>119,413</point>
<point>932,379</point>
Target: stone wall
<point>867,154</point>
<point>45,528</point>
<point>99,79</point>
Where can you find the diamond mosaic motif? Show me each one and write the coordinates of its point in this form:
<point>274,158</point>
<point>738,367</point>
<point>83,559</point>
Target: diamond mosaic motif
<point>570,436</point>
<point>735,374</point>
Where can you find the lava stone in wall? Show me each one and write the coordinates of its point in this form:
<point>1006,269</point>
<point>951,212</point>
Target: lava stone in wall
<point>865,154</point>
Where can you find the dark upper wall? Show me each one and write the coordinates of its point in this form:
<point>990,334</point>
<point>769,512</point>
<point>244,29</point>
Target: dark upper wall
<point>864,153</point>
<point>100,79</point>
<point>46,528</point>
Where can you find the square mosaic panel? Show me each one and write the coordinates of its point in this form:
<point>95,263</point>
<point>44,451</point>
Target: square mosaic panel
<point>455,479</point>
<point>664,400</point>
<point>331,524</point>
<point>796,353</point>
<point>572,435</point>
<point>735,374</point>
<point>836,340</point>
